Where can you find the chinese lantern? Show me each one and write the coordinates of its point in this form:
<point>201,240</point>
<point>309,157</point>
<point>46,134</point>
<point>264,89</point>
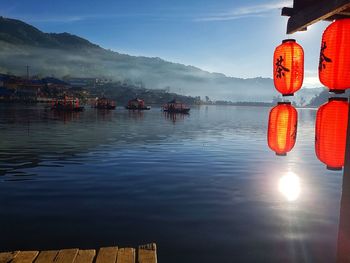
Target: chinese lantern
<point>331,127</point>
<point>288,67</point>
<point>334,66</point>
<point>282,129</point>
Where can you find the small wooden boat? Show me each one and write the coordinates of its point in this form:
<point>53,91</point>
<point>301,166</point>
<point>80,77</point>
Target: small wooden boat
<point>176,107</point>
<point>105,104</point>
<point>67,104</point>
<point>137,104</point>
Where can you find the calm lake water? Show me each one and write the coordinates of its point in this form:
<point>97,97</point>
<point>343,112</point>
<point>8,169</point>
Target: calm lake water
<point>204,187</point>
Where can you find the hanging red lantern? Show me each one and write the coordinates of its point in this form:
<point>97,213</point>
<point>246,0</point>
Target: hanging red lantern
<point>288,68</point>
<point>331,127</point>
<point>282,129</point>
<point>334,66</point>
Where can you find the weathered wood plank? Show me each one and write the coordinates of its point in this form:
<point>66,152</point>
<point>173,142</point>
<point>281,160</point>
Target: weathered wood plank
<point>126,255</point>
<point>107,255</point>
<point>6,257</point>
<point>25,257</point>
<point>66,255</point>
<point>147,253</point>
<point>85,256</point>
<point>319,10</point>
<point>46,256</point>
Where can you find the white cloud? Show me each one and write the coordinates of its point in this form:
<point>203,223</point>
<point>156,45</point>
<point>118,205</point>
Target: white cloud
<point>259,10</point>
<point>311,79</point>
<point>57,19</point>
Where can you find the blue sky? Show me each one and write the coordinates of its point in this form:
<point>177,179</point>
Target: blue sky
<point>235,37</point>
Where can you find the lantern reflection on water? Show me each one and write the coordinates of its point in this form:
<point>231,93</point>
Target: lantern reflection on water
<point>334,65</point>
<point>331,127</point>
<point>288,68</point>
<point>282,128</point>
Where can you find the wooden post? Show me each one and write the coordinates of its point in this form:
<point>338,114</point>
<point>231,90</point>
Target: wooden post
<point>343,249</point>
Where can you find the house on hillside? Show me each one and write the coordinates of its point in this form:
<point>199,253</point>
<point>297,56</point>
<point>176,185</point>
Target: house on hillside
<point>28,89</point>
<point>81,82</point>
<point>5,93</point>
<point>53,87</point>
<point>16,88</point>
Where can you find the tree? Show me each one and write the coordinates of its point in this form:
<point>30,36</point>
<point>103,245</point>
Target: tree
<point>276,99</point>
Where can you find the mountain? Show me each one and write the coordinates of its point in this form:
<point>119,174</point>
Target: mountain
<point>65,54</point>
<point>304,96</point>
<point>324,96</point>
<point>16,32</point>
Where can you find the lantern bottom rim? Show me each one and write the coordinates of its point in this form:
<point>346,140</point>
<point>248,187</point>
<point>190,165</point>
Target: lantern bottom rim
<point>337,91</point>
<point>281,154</point>
<point>334,168</point>
<point>288,94</point>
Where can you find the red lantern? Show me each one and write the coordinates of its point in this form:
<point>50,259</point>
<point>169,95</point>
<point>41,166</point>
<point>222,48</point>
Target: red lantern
<point>331,127</point>
<point>282,130</point>
<point>288,68</point>
<point>334,67</point>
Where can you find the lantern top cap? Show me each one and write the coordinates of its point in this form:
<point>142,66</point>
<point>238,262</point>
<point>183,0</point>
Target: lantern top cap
<point>288,40</point>
<point>342,18</point>
<point>338,99</point>
<point>283,103</point>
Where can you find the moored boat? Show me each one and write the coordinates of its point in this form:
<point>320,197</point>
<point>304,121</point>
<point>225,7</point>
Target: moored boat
<point>137,104</point>
<point>105,104</point>
<point>66,104</point>
<point>176,107</point>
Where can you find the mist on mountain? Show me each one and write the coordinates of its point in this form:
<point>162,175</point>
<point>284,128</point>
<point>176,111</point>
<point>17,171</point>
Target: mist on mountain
<point>64,54</point>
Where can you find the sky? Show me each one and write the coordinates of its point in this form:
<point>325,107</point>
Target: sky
<point>234,37</point>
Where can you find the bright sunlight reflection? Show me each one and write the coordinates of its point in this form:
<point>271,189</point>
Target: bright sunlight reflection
<point>289,186</point>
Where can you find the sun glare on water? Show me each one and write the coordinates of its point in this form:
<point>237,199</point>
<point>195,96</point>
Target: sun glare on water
<point>289,186</point>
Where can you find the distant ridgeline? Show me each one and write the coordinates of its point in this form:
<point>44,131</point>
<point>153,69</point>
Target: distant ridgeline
<point>64,55</point>
<point>324,96</point>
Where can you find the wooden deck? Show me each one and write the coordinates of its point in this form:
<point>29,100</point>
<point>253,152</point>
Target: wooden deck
<point>143,254</point>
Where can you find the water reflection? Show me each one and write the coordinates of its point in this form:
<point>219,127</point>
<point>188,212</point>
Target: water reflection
<point>289,186</point>
<point>174,117</point>
<point>205,182</point>
<point>136,114</point>
<point>64,116</point>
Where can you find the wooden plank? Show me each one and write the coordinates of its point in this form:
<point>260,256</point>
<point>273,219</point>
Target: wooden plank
<point>319,10</point>
<point>6,257</point>
<point>147,253</point>
<point>25,257</point>
<point>46,256</point>
<point>66,255</point>
<point>126,255</point>
<point>107,255</point>
<point>343,254</point>
<point>85,256</point>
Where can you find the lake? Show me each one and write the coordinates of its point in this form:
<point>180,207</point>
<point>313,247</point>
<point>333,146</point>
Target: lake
<point>205,187</point>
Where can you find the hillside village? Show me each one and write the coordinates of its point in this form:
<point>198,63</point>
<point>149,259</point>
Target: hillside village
<point>34,89</point>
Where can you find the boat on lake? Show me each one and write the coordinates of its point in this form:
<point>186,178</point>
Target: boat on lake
<point>66,104</point>
<point>176,107</point>
<point>105,104</point>
<point>137,104</point>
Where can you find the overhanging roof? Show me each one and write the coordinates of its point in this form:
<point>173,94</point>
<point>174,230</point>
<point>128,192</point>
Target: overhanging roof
<point>307,12</point>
